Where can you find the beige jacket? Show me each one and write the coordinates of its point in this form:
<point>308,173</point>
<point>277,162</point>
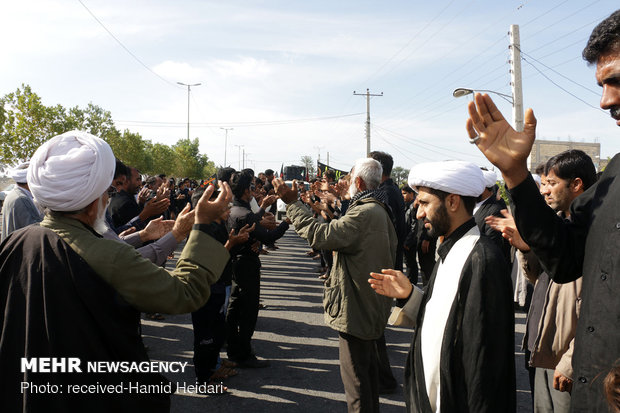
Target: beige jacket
<point>558,323</point>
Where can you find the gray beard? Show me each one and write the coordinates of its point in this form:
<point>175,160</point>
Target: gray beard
<point>100,225</point>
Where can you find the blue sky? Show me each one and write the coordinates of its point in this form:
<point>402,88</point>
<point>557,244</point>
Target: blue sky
<point>282,73</point>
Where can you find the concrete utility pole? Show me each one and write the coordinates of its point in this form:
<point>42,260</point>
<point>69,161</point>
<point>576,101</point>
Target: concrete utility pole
<point>239,147</point>
<point>318,148</point>
<point>368,95</point>
<point>515,77</point>
<point>188,89</point>
<point>327,158</point>
<point>226,143</point>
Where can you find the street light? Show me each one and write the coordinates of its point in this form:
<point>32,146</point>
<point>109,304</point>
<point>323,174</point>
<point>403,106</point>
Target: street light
<point>226,143</point>
<point>462,91</point>
<point>188,88</point>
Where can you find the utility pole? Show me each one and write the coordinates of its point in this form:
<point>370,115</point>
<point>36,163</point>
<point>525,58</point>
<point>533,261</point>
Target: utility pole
<point>327,158</point>
<point>226,143</point>
<point>368,95</point>
<point>515,77</point>
<point>188,89</point>
<point>239,147</point>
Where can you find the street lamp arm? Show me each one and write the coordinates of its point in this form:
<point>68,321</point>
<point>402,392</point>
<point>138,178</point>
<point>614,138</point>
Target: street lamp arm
<point>462,91</point>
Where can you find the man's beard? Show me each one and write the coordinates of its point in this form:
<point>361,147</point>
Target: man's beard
<point>440,224</point>
<point>615,112</point>
<point>100,225</point>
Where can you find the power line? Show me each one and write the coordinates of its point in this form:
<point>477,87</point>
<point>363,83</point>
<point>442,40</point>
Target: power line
<point>545,13</point>
<point>560,87</point>
<point>560,74</point>
<point>124,47</point>
<point>548,26</point>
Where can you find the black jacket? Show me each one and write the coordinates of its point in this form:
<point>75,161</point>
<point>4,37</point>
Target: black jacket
<point>397,206</point>
<point>492,206</point>
<point>589,245</point>
<point>123,207</point>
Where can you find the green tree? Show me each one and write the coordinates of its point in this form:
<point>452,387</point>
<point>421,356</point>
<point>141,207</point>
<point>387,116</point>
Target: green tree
<point>131,149</point>
<point>189,162</point>
<point>163,157</point>
<point>399,175</point>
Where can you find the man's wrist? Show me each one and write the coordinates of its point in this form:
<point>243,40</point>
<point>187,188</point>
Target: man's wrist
<point>514,177</point>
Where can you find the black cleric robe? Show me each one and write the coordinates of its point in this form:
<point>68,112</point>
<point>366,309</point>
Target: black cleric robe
<point>52,304</point>
<point>588,245</point>
<point>477,370</point>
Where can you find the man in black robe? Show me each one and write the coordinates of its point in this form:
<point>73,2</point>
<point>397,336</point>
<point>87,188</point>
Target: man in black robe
<point>462,355</point>
<point>589,244</point>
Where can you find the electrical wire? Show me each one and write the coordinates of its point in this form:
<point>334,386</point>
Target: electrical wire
<point>125,47</point>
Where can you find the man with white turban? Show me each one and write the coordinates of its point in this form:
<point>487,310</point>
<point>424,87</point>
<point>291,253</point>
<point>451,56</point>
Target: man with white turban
<point>489,205</point>
<point>462,356</point>
<point>67,292</point>
<point>18,209</point>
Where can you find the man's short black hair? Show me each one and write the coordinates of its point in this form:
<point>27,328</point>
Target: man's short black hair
<point>151,180</point>
<point>540,169</point>
<point>249,170</point>
<point>385,159</point>
<point>269,172</point>
<point>469,202</point>
<point>605,38</point>
<point>162,176</point>
<point>572,164</point>
<point>407,189</point>
<point>239,182</point>
<point>224,174</point>
<point>121,170</point>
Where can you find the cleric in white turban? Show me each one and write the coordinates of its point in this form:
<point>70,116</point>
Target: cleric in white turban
<point>18,208</point>
<point>65,291</point>
<point>70,171</point>
<point>462,356</point>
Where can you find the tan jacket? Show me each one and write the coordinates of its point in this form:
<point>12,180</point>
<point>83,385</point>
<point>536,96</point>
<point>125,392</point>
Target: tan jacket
<point>558,323</point>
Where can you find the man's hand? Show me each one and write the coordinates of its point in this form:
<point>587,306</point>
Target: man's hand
<point>162,192</point>
<point>269,222</point>
<point>128,231</point>
<point>156,229</point>
<point>154,207</point>
<point>561,382</point>
<point>287,195</point>
<point>183,224</point>
<point>267,201</point>
<point>508,228</point>
<point>143,195</point>
<point>241,237</point>
<point>499,142</point>
<point>207,211</point>
<point>391,283</point>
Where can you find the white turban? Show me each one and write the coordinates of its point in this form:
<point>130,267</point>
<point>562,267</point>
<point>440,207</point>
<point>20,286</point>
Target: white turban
<point>490,178</point>
<point>70,171</point>
<point>453,177</point>
<point>18,174</point>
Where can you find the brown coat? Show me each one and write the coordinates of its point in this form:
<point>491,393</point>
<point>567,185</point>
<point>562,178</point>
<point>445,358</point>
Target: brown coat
<point>558,323</point>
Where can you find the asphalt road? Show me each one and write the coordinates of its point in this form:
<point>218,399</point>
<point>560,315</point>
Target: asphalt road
<point>304,374</point>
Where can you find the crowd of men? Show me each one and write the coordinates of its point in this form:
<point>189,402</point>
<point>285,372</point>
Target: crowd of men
<point>85,240</point>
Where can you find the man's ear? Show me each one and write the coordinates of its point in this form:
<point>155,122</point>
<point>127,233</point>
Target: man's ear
<point>92,209</point>
<point>577,185</point>
<point>452,202</point>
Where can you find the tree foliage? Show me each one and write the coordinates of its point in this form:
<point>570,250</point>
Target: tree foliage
<point>25,124</point>
<point>308,163</point>
<point>400,175</point>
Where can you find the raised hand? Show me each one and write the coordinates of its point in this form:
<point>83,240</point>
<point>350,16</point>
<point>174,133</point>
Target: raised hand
<point>503,146</point>
<point>156,229</point>
<point>267,201</point>
<point>508,228</point>
<point>143,195</point>
<point>286,194</point>
<point>208,211</point>
<point>154,207</point>
<point>183,224</point>
<point>391,283</point>
<point>241,237</point>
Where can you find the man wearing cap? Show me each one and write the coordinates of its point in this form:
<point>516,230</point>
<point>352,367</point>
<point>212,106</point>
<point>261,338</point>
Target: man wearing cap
<point>66,292</point>
<point>462,356</point>
<point>18,209</point>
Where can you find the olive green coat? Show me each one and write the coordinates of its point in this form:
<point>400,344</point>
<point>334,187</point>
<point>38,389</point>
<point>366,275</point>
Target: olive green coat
<point>364,240</point>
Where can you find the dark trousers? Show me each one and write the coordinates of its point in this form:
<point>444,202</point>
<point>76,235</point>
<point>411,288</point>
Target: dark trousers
<point>387,381</point>
<point>412,266</point>
<point>209,335</point>
<point>243,307</point>
<point>327,257</point>
<point>358,369</point>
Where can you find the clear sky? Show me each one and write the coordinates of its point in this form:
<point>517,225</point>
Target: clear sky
<point>282,73</point>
